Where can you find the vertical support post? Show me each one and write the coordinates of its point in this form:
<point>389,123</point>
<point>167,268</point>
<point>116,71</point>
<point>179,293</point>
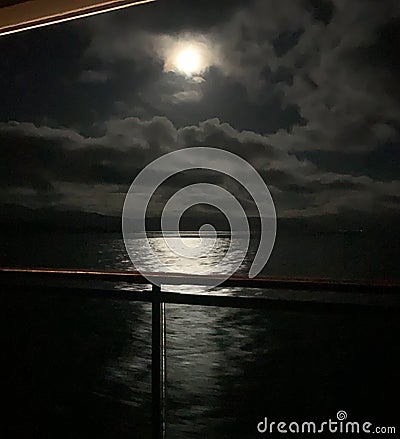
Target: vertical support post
<point>163,368</point>
<point>158,362</point>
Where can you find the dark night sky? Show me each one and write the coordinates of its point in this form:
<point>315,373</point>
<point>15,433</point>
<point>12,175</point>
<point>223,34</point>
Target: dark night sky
<point>307,91</point>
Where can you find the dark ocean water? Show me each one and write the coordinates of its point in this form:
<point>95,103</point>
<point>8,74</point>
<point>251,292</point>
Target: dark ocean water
<point>80,367</point>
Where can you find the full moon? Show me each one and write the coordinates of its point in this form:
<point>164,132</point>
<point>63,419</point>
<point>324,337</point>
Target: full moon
<point>187,57</point>
<point>188,61</point>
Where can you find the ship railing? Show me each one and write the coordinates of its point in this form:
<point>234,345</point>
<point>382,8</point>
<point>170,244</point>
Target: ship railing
<point>363,296</point>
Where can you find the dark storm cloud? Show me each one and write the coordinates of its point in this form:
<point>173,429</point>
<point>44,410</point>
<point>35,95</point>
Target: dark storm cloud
<point>382,163</point>
<point>343,71</point>
<point>94,173</point>
<point>343,88</point>
<point>187,102</point>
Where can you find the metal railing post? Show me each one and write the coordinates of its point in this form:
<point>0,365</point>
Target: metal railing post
<point>163,368</point>
<point>158,362</point>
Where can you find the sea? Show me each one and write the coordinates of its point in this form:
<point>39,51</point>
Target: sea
<point>79,367</point>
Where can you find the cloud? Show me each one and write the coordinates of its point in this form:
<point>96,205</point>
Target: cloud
<point>65,169</point>
<point>341,71</point>
<point>186,96</point>
<point>307,92</point>
<point>93,76</point>
<point>342,87</point>
<point>332,60</point>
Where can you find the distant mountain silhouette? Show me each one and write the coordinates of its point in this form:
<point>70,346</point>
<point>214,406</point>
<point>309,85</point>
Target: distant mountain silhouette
<point>50,219</point>
<point>23,218</point>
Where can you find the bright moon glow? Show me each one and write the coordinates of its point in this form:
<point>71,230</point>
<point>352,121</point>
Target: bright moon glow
<point>188,57</point>
<point>188,61</point>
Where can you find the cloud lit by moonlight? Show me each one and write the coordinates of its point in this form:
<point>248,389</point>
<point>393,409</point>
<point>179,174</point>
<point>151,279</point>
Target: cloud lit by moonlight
<point>187,57</point>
